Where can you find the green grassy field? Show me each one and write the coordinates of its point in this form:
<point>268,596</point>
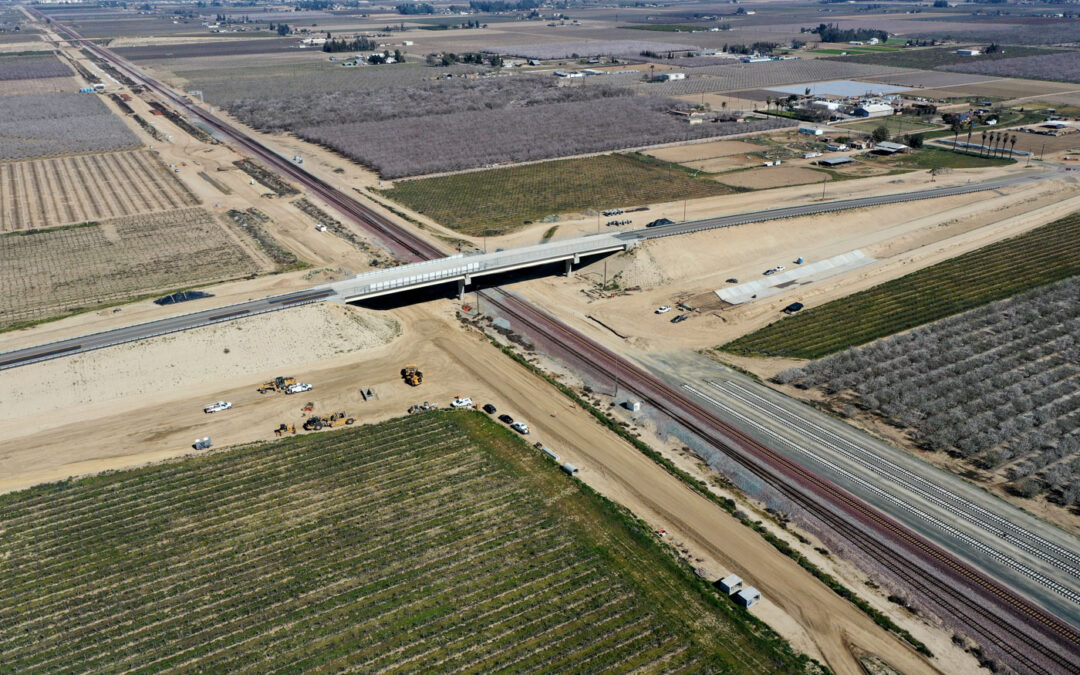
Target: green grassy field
<point>432,543</point>
<point>499,200</point>
<point>1044,255</point>
<point>896,124</point>
<point>936,158</point>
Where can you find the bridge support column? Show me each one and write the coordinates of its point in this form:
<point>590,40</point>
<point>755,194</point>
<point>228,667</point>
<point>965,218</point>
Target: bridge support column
<point>569,267</point>
<point>461,289</point>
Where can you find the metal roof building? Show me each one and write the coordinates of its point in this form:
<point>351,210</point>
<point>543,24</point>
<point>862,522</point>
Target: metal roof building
<point>835,161</point>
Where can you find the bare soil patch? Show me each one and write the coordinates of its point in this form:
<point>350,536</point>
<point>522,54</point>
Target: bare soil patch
<point>700,151</point>
<point>774,176</point>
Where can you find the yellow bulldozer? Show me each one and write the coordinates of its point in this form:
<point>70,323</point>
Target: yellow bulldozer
<point>339,419</point>
<point>285,429</point>
<point>412,376</point>
<point>276,384</point>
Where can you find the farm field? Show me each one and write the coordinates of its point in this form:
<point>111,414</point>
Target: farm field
<point>44,125</point>
<point>29,67</point>
<point>772,177</point>
<point>216,48</point>
<point>896,124</point>
<point>735,76</point>
<point>452,142</point>
<point>500,200</point>
<point>566,50</point>
<point>998,386</point>
<point>49,192</point>
<point>1041,256</point>
<point>694,152</point>
<point>1058,66</point>
<point>47,85</point>
<point>429,543</point>
<point>936,158</point>
<point>51,273</point>
<point>928,58</point>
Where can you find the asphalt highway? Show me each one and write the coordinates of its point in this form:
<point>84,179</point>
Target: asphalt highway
<point>1028,554</point>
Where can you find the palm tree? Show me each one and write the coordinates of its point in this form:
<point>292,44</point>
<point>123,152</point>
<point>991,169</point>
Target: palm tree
<point>1012,145</point>
<point>993,143</point>
<point>956,126</point>
<point>982,148</point>
<point>971,128</point>
<point>1002,137</point>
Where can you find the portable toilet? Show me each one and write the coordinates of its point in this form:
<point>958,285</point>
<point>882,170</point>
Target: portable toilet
<point>748,597</point>
<point>730,584</point>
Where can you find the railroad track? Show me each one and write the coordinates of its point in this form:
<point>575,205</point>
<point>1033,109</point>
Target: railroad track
<point>936,577</point>
<point>1012,625</point>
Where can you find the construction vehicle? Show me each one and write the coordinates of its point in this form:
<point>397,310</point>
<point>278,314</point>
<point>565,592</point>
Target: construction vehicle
<point>276,384</point>
<point>422,407</point>
<point>412,376</point>
<point>338,419</point>
<point>285,429</point>
<point>309,407</point>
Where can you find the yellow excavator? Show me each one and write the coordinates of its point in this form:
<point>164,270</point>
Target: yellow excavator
<point>412,376</point>
<point>276,384</point>
<point>338,419</point>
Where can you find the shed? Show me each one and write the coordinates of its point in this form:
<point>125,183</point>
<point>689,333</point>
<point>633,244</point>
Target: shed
<point>889,148</point>
<point>748,597</point>
<point>968,52</point>
<point>835,161</point>
<point>632,405</point>
<point>810,131</point>
<point>664,77</point>
<point>730,584</point>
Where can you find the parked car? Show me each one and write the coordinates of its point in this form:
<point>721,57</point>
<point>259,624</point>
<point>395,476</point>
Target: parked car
<point>297,388</point>
<point>664,309</point>
<point>489,409</point>
<point>732,280</point>
<point>520,427</point>
<point>769,271</point>
<point>506,419</point>
<point>461,402</point>
<point>680,318</point>
<point>660,221</point>
<point>217,407</point>
<point>793,307</point>
<point>779,268</point>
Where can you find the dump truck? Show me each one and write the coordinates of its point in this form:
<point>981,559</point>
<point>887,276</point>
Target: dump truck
<point>276,384</point>
<point>338,419</point>
<point>285,429</point>
<point>412,376</point>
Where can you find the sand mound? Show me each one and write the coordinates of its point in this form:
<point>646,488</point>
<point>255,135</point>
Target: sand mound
<point>237,348</point>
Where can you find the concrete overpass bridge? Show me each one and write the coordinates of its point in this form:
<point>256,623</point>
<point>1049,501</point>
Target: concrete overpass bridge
<point>464,268</point>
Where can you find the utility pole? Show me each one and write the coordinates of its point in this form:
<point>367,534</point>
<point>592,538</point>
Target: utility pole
<point>823,181</point>
<point>604,287</point>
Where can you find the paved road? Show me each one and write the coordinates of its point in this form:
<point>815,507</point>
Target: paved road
<point>172,324</point>
<point>837,205</point>
<point>1031,556</point>
<point>448,268</point>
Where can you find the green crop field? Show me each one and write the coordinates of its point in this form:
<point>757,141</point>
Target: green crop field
<point>1041,256</point>
<point>436,543</point>
<point>499,200</point>
<point>928,58</point>
<point>896,124</point>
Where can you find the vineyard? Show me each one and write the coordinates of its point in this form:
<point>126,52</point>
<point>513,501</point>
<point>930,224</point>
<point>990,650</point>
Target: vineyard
<point>433,543</point>
<point>928,59</point>
<point>50,273</point>
<point>455,141</point>
<point>1044,255</point>
<point>50,192</point>
<point>494,201</point>
<point>32,67</point>
<point>998,386</point>
<point>44,125</point>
